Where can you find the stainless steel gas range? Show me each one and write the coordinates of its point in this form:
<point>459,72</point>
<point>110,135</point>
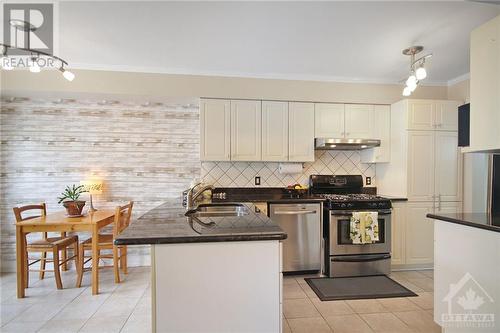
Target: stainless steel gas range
<point>343,196</point>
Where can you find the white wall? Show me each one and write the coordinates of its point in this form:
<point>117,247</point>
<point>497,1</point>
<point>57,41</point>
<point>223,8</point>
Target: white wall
<point>475,171</point>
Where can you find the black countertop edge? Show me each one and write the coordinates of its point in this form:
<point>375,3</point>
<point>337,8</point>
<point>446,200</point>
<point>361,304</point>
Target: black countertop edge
<point>269,200</point>
<point>474,220</point>
<point>201,239</point>
<point>393,199</point>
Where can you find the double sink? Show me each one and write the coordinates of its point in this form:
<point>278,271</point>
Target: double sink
<point>215,210</point>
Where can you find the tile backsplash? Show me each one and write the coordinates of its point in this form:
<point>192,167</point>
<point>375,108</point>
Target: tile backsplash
<point>242,174</point>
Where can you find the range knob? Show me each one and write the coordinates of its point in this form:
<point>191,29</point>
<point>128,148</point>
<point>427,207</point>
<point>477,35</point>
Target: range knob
<point>343,205</point>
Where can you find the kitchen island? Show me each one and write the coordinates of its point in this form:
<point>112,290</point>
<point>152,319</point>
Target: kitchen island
<point>467,272</point>
<point>217,270</point>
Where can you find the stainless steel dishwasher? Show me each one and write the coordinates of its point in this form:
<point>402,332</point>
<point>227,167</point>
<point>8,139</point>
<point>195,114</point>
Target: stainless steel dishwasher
<point>302,223</point>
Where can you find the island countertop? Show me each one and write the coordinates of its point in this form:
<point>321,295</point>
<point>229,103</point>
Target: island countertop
<point>476,220</point>
<point>167,224</point>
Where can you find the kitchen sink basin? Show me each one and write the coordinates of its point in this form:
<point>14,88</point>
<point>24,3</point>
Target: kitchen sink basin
<point>207,210</point>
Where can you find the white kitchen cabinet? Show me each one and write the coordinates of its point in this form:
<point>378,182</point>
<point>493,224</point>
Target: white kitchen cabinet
<point>329,120</point>
<point>358,121</point>
<point>419,235</point>
<point>485,87</point>
<point>246,139</point>
<point>420,230</point>
<point>420,165</point>
<point>398,228</point>
<point>301,132</point>
<point>274,131</point>
<point>446,115</point>
<point>382,131</point>
<point>448,167</point>
<point>421,114</point>
<point>413,233</point>
<point>425,164</point>
<point>215,130</point>
<point>433,115</point>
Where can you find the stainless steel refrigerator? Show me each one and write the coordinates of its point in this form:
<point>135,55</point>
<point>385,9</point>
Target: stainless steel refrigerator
<point>481,183</point>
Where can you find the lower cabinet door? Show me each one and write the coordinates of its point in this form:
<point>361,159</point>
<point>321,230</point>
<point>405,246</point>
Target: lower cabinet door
<point>398,226</point>
<point>419,235</point>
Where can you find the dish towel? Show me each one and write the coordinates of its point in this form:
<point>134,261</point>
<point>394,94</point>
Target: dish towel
<point>364,227</point>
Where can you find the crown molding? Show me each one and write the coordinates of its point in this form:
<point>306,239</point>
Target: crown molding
<point>459,79</point>
<point>269,76</point>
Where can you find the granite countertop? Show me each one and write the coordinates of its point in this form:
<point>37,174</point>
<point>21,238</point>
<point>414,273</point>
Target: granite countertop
<point>271,198</point>
<point>167,224</point>
<point>476,220</point>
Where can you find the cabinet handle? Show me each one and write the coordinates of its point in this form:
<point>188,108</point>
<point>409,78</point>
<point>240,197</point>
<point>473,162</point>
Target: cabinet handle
<point>439,202</point>
<point>347,134</point>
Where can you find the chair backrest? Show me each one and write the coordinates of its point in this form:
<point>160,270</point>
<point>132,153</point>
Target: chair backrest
<point>18,211</point>
<point>122,218</point>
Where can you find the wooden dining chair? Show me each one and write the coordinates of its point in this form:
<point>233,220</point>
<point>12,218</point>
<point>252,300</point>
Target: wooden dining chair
<point>106,242</point>
<point>46,244</point>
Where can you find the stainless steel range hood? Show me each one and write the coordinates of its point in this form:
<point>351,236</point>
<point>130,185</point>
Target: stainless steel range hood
<point>345,144</point>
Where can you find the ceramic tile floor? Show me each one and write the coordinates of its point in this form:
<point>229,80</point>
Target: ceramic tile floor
<point>126,307</point>
<point>304,312</point>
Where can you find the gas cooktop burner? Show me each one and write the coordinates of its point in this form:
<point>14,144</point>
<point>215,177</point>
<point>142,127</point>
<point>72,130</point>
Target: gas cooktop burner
<point>352,197</point>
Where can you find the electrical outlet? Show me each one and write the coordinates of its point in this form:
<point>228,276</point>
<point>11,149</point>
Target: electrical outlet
<point>257,180</point>
<point>368,180</point>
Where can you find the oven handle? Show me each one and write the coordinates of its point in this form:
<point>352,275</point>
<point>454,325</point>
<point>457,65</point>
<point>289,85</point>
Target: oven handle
<point>362,258</point>
<point>349,213</point>
<point>294,212</point>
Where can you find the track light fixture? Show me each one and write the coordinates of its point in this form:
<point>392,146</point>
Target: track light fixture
<point>417,69</point>
<point>67,74</point>
<point>34,57</point>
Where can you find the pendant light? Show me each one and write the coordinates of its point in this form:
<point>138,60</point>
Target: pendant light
<point>417,69</point>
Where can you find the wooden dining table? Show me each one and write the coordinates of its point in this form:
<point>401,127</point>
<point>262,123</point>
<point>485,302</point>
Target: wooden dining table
<point>59,222</point>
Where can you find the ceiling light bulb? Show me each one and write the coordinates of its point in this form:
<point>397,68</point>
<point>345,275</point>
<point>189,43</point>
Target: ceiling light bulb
<point>406,91</point>
<point>68,75</point>
<point>421,73</point>
<point>412,80</point>
<point>412,86</point>
<point>6,65</point>
<point>34,67</point>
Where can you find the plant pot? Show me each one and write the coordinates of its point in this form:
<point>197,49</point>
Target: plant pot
<point>74,208</point>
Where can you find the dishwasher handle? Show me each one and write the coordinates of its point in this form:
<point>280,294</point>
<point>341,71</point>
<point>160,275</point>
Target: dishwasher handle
<point>294,212</point>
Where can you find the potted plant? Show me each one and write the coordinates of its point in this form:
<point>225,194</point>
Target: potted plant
<point>69,198</point>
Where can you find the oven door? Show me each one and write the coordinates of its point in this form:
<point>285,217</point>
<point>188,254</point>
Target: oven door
<point>340,236</point>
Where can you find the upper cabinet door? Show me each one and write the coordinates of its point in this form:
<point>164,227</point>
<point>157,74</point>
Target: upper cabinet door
<point>215,130</point>
<point>328,120</point>
<point>246,140</point>
<point>301,132</point>
<point>421,115</point>
<point>421,165</point>
<point>446,115</point>
<point>274,131</point>
<point>358,121</point>
<point>382,131</point>
<point>448,166</point>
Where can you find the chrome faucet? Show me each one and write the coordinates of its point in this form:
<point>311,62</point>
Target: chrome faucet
<point>191,198</point>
